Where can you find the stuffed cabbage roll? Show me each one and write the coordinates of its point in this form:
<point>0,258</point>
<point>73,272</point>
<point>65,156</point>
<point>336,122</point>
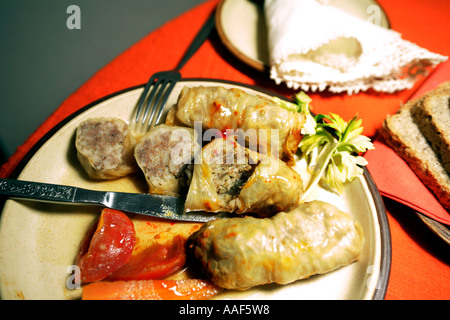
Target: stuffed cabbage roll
<point>165,155</point>
<point>232,178</point>
<point>276,129</point>
<point>105,148</point>
<point>240,253</point>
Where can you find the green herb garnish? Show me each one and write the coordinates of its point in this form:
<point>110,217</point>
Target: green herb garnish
<point>301,104</point>
<point>332,152</point>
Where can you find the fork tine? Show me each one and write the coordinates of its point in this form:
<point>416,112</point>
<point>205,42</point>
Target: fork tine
<point>162,95</point>
<point>143,96</point>
<point>153,98</point>
<point>150,107</point>
<point>154,102</point>
<point>146,99</point>
<point>166,95</point>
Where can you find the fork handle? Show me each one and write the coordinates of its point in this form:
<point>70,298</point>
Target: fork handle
<point>201,36</point>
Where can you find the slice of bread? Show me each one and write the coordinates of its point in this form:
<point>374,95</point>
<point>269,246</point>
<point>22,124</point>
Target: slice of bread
<point>402,134</point>
<point>433,118</point>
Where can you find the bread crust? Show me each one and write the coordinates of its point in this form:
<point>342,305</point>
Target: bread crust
<point>404,136</point>
<point>433,118</point>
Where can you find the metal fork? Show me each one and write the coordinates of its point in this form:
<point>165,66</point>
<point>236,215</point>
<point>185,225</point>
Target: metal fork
<point>160,85</point>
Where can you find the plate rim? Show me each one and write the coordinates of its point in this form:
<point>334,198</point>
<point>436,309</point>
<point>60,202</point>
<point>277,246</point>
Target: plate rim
<point>250,61</point>
<point>256,64</point>
<point>385,236</point>
<point>436,227</point>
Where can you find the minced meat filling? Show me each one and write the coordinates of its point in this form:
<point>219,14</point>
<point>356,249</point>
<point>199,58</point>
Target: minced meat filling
<point>102,142</point>
<point>230,176</point>
<point>155,155</point>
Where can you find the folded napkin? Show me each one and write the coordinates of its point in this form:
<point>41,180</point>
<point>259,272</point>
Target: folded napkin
<point>314,46</point>
<point>395,180</point>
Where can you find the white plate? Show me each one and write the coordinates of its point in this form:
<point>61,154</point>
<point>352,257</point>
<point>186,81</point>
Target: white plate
<point>39,241</point>
<point>242,28</point>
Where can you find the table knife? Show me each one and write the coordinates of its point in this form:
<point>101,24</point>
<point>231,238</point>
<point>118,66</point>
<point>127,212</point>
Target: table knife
<point>160,206</point>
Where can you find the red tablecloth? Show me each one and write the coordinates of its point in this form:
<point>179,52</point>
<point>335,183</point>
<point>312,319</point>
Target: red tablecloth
<point>420,260</point>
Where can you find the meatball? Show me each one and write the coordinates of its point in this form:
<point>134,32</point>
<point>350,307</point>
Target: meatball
<point>105,148</point>
<point>165,155</point>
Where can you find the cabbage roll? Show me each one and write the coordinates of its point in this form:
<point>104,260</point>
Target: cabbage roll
<point>105,148</point>
<point>240,253</point>
<point>232,178</point>
<point>165,155</point>
<point>268,126</point>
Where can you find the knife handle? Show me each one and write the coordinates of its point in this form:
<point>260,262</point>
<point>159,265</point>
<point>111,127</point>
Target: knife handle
<point>36,191</point>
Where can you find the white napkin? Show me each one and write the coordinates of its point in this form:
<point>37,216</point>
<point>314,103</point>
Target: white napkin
<point>314,46</point>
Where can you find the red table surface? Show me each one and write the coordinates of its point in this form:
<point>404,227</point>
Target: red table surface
<point>420,260</point>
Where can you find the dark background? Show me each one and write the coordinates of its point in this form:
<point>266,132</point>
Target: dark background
<point>42,61</point>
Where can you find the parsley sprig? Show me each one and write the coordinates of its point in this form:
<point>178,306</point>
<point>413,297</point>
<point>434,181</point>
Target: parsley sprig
<point>332,152</point>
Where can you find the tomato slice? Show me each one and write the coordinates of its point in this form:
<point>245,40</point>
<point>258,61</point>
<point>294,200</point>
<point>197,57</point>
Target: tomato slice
<point>155,262</point>
<point>110,246</point>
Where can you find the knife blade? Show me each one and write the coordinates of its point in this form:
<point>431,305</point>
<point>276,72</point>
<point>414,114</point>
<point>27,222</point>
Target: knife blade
<point>160,206</point>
